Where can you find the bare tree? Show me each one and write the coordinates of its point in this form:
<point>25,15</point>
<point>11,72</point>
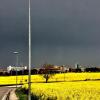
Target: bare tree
<point>47,71</point>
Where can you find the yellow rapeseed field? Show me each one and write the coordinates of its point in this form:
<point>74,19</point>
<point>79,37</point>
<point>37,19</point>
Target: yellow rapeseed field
<point>55,78</point>
<point>88,90</point>
<point>65,86</point>
<point>69,86</point>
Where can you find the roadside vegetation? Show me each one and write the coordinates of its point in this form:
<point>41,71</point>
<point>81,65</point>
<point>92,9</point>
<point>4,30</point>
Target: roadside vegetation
<point>21,93</point>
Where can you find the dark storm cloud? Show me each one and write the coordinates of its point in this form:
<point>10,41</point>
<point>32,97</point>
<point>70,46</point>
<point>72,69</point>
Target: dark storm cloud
<point>13,30</point>
<point>69,22</point>
<point>69,30</point>
<point>63,31</point>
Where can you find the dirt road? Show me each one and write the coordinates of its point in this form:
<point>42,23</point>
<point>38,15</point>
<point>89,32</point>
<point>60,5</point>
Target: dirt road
<point>3,91</point>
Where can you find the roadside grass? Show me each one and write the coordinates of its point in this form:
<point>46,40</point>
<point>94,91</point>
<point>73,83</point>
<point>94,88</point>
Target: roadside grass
<point>22,94</point>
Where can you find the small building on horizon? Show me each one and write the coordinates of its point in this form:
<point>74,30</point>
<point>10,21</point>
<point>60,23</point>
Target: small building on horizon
<point>14,68</point>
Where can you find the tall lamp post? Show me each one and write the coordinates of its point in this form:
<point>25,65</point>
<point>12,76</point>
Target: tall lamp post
<point>16,53</point>
<point>29,76</point>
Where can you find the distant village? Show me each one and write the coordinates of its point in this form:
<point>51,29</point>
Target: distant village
<point>50,68</point>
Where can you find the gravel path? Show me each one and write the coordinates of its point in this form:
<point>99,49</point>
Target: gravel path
<point>13,95</point>
<point>3,91</point>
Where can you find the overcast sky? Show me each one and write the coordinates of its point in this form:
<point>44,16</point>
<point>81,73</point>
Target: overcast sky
<point>63,32</point>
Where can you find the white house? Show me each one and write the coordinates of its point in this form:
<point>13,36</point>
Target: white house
<point>14,68</point>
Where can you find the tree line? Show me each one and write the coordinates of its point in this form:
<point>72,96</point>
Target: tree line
<point>49,69</point>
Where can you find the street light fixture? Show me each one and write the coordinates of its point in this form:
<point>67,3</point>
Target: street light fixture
<point>16,53</point>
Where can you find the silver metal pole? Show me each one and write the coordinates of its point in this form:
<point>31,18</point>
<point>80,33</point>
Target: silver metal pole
<point>16,53</point>
<point>29,76</point>
<point>16,68</point>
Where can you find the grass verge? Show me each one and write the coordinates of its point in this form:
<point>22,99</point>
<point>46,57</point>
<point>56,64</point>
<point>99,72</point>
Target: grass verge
<point>22,94</point>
